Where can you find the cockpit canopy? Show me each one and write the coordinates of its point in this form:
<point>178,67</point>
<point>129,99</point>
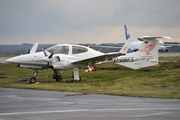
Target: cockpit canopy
<point>58,49</point>
<point>78,49</point>
<point>66,49</point>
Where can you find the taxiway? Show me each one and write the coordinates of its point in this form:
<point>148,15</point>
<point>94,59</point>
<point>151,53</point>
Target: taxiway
<point>20,104</point>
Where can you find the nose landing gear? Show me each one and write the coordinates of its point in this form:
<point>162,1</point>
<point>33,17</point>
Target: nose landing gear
<point>32,80</point>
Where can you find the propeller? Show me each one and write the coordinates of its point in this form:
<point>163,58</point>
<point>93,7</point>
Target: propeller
<point>49,58</point>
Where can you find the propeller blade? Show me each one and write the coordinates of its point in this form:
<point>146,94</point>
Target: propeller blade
<point>51,55</point>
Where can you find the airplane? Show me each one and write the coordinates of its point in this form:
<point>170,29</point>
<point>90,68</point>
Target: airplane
<point>61,57</point>
<point>71,56</point>
<point>134,46</point>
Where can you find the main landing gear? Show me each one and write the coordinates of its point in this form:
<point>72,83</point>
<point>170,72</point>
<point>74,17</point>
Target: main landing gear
<point>57,76</point>
<point>33,79</point>
<point>75,76</point>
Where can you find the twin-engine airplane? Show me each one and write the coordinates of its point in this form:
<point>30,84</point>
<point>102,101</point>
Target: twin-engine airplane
<point>69,56</point>
<point>61,57</point>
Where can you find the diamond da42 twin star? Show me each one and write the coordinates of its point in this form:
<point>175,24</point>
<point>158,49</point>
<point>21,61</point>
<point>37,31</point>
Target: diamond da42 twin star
<point>70,56</point>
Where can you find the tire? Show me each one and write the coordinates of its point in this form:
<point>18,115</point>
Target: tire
<point>32,80</point>
<point>58,79</point>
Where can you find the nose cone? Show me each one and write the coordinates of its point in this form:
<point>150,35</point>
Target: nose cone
<point>13,60</point>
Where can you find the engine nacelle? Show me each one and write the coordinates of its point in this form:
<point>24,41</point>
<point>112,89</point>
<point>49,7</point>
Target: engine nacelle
<point>124,59</point>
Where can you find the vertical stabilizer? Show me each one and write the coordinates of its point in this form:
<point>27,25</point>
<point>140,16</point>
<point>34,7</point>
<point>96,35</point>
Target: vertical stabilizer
<point>126,32</point>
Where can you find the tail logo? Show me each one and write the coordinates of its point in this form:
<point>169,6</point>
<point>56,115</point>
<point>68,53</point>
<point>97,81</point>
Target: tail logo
<point>125,48</point>
<point>148,49</point>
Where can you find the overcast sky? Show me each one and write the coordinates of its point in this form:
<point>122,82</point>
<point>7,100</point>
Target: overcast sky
<point>86,21</point>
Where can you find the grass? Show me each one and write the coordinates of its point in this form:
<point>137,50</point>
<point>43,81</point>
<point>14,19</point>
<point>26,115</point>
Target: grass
<point>110,79</point>
<point>171,58</point>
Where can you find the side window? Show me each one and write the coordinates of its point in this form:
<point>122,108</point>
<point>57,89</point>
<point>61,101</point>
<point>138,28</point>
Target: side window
<point>77,49</point>
<point>58,49</point>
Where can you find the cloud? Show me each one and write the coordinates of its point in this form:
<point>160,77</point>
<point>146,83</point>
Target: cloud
<point>86,21</point>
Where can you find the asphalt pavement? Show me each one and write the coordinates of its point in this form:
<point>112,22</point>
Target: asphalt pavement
<point>20,104</point>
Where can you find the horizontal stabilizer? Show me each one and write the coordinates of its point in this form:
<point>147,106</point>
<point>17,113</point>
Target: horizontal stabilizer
<point>153,37</point>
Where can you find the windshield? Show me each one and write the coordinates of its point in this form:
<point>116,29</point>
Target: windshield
<point>58,49</point>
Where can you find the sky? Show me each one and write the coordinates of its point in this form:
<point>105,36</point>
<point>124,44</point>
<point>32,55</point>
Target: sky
<point>86,21</point>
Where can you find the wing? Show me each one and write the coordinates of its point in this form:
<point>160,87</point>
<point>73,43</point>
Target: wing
<point>97,59</point>
<point>34,48</point>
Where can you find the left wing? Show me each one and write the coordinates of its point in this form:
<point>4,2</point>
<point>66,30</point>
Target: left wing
<point>34,48</point>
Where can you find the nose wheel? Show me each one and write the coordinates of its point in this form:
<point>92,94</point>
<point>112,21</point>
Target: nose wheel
<point>32,80</point>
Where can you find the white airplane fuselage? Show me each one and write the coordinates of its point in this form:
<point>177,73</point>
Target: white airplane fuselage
<point>59,61</point>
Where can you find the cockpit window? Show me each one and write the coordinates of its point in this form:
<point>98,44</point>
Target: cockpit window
<point>77,49</point>
<point>58,49</point>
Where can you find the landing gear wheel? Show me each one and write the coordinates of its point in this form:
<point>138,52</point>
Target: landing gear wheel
<point>57,76</point>
<point>32,80</point>
<point>58,79</point>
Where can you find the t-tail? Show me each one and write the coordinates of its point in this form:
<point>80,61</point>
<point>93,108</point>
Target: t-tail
<point>147,55</point>
<point>126,32</point>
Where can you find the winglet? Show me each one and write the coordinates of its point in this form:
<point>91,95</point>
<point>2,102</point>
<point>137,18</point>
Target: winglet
<point>34,48</point>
